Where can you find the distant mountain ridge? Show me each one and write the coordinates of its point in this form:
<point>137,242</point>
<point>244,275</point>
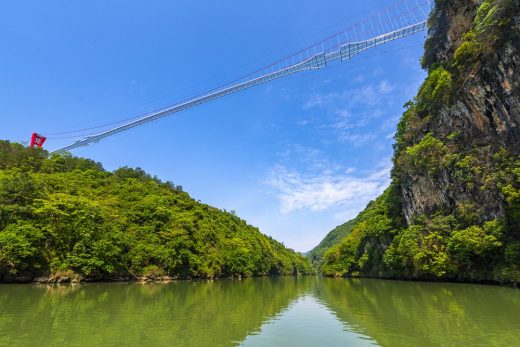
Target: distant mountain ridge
<point>333,237</point>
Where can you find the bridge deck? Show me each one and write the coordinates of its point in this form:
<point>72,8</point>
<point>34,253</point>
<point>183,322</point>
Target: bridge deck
<point>313,58</point>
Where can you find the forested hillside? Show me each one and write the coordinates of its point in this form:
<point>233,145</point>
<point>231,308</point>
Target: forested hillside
<point>452,211</point>
<point>66,218</point>
<point>334,236</point>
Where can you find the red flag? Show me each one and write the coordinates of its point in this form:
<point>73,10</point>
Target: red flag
<point>37,140</point>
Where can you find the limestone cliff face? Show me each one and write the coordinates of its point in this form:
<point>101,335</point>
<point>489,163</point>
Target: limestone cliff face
<point>449,21</point>
<point>483,113</point>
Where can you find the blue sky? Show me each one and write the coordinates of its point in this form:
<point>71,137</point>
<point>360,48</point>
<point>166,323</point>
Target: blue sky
<point>295,157</point>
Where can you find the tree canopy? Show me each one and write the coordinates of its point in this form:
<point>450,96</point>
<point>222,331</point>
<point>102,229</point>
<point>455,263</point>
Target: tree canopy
<point>67,216</point>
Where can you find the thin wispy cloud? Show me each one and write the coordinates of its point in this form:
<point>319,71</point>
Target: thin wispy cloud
<point>356,120</point>
<point>366,95</point>
<point>385,87</point>
<point>356,116</point>
<point>353,115</point>
<point>347,190</point>
<point>358,139</point>
<point>312,159</point>
<point>318,99</point>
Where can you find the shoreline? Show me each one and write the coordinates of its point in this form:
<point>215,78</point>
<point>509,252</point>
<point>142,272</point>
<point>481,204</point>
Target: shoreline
<point>51,280</point>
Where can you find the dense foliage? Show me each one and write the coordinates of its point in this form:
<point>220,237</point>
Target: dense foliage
<point>66,216</point>
<point>457,243</point>
<point>439,246</point>
<point>332,238</point>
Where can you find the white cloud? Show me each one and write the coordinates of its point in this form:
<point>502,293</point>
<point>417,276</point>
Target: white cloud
<point>318,99</point>
<point>313,159</point>
<point>359,115</point>
<point>356,115</point>
<point>357,138</point>
<point>359,79</point>
<point>367,95</point>
<point>327,189</point>
<point>385,87</point>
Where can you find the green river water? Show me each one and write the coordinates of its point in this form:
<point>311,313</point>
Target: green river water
<point>305,311</point>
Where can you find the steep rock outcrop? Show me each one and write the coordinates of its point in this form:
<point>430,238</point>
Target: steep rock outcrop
<point>484,110</point>
<point>452,211</point>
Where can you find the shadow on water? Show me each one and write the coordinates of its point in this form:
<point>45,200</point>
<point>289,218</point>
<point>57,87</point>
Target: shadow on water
<point>184,313</point>
<point>396,313</point>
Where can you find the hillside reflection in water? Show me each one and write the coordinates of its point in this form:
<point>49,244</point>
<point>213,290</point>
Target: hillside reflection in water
<point>305,311</point>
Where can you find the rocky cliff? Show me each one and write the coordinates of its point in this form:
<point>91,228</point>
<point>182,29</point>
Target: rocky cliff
<point>476,47</point>
<point>453,208</point>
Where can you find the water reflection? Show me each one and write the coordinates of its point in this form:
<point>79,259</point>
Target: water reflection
<point>307,322</point>
<point>185,313</point>
<point>308,311</point>
<point>397,313</point>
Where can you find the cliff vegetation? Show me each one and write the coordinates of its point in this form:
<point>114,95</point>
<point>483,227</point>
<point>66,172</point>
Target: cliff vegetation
<point>452,211</point>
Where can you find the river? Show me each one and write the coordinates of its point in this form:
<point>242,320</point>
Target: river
<point>305,311</point>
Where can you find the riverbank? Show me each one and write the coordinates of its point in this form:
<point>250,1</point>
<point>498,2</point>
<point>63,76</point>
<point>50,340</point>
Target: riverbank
<point>71,277</point>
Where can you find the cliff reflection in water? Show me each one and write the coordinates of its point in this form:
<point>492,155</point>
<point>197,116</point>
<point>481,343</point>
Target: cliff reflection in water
<point>397,313</point>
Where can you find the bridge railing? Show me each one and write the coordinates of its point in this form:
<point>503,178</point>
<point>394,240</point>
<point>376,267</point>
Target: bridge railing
<point>403,14</point>
<point>405,18</point>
